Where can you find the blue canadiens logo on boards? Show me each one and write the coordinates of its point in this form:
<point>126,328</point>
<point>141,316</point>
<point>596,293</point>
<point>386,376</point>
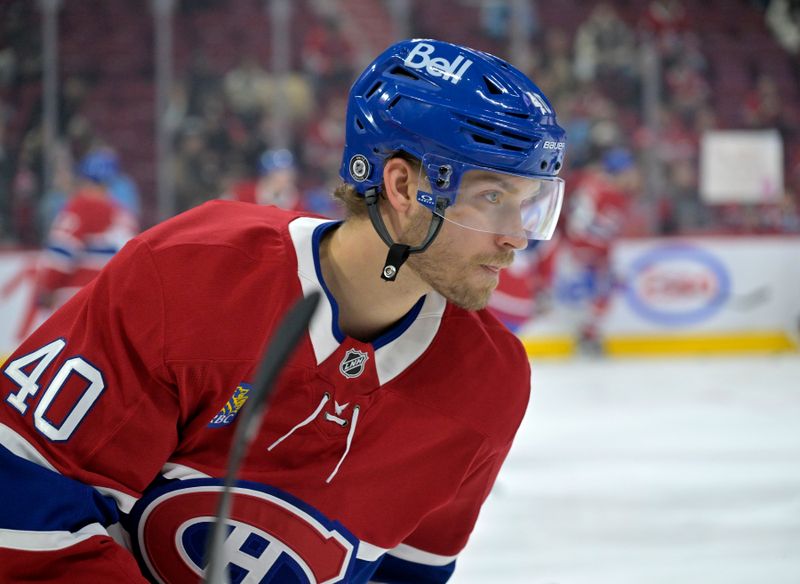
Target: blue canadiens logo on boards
<point>227,414</point>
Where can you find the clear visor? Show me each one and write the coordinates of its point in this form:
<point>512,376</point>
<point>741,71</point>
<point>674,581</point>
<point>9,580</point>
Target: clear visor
<point>494,202</point>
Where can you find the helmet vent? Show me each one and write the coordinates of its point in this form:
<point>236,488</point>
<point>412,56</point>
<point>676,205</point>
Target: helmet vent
<point>481,125</point>
<point>373,89</point>
<point>359,124</point>
<point>519,115</point>
<point>512,148</point>
<point>514,136</point>
<point>483,139</point>
<point>393,103</point>
<point>403,72</point>
<point>493,88</point>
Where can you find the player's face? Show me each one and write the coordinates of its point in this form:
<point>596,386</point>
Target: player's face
<point>462,264</point>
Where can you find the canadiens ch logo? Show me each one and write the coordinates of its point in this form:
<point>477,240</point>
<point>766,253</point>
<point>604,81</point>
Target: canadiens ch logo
<point>272,536</point>
<point>228,412</point>
<point>353,364</point>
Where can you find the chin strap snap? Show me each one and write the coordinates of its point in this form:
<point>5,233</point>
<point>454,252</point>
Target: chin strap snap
<point>399,252</point>
<point>397,256</point>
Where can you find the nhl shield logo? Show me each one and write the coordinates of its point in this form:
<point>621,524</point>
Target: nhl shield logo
<point>353,363</point>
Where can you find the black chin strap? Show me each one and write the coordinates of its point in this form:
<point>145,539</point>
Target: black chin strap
<point>399,252</point>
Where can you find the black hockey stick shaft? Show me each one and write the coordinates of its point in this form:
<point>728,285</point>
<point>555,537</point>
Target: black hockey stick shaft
<point>283,343</point>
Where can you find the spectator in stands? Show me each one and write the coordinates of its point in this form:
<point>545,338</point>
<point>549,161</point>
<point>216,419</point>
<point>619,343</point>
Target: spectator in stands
<point>324,137</point>
<point>604,44</point>
<point>783,18</point>
<point>327,54</point>
<point>25,189</point>
<point>201,82</point>
<point>556,70</point>
<point>275,185</point>
<point>762,105</point>
<point>667,21</point>
<point>687,86</point>
<point>197,167</point>
<point>84,236</point>
<point>64,178</point>
<point>248,90</point>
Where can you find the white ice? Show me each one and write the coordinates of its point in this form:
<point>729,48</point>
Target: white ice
<point>649,471</point>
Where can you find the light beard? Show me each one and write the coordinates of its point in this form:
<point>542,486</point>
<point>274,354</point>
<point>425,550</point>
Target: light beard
<point>448,273</point>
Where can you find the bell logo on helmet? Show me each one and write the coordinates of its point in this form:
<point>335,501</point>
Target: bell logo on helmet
<point>436,66</point>
<point>359,168</point>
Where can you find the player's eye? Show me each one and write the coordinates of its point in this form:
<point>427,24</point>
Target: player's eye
<point>492,196</point>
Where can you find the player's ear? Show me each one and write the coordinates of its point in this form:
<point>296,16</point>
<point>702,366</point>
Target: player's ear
<point>400,186</point>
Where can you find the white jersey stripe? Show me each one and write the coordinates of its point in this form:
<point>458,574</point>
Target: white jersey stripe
<point>22,448</point>
<point>412,554</point>
<point>368,552</point>
<point>36,541</point>
<point>320,330</point>
<point>172,470</point>
<point>397,356</point>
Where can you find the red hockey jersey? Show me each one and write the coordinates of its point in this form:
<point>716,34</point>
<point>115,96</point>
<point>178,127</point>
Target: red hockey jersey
<point>83,238</point>
<point>372,461</point>
<point>596,216</point>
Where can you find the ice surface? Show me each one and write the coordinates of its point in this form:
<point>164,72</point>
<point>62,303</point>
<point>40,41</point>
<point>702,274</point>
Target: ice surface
<point>657,471</point>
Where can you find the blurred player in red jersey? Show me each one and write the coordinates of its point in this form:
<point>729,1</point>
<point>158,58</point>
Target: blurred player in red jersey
<point>525,290</point>
<point>84,236</point>
<point>598,213</point>
<point>275,185</point>
<point>388,425</point>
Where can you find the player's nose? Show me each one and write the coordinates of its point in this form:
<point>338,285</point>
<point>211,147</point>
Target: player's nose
<point>518,241</point>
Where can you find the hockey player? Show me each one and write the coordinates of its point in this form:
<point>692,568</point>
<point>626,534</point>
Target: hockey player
<point>390,422</point>
<point>276,183</point>
<point>84,236</point>
<point>599,212</point>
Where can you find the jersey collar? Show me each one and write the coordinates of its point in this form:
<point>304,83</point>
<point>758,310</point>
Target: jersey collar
<point>396,349</point>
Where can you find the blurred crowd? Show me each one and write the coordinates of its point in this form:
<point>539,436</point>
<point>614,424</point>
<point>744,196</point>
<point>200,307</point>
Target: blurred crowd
<point>223,107</point>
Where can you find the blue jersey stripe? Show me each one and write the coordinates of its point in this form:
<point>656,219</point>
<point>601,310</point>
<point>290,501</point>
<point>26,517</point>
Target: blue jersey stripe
<point>393,570</point>
<point>108,251</point>
<point>38,499</point>
<point>62,251</point>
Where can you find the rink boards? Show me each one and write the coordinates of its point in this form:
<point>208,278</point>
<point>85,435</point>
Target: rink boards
<point>681,295</point>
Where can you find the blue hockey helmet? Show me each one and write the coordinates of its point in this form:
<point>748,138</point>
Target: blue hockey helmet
<point>618,160</point>
<point>466,115</point>
<point>99,166</point>
<point>272,160</point>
